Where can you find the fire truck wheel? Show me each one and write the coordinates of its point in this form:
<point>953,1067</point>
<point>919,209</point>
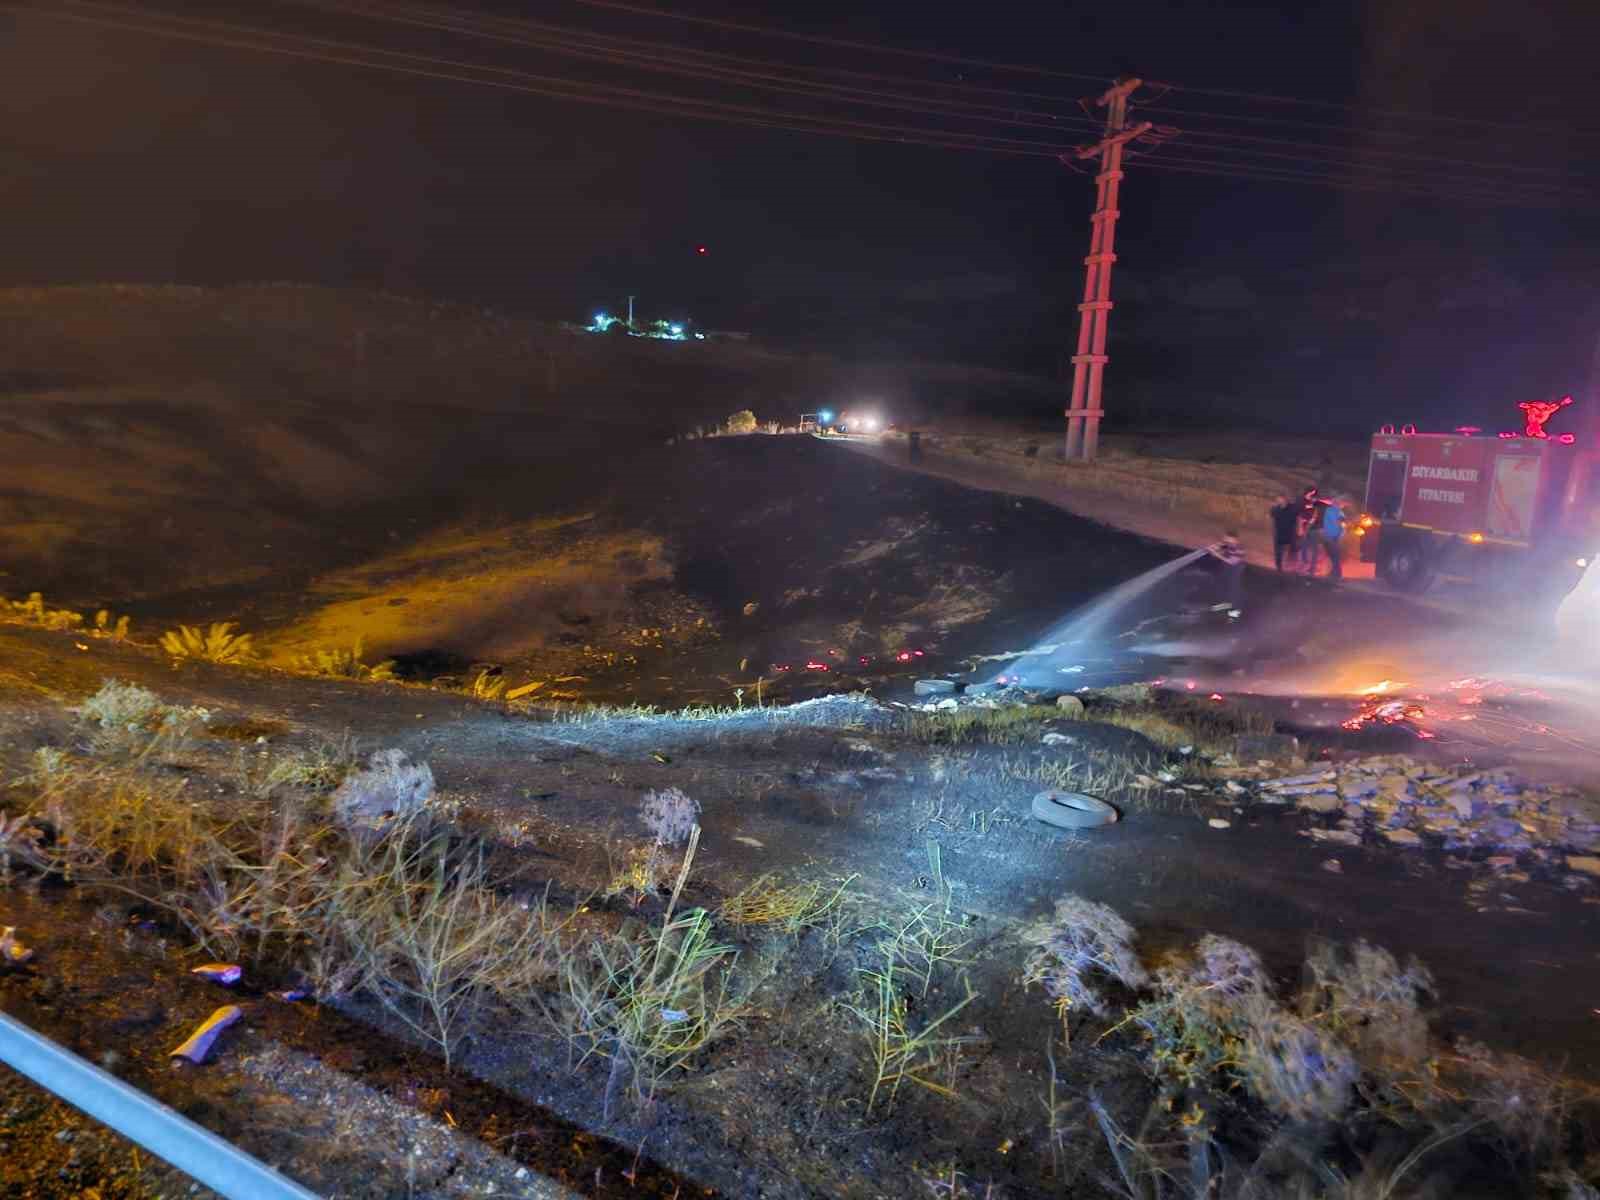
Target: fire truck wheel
<point>1406,566</point>
<point>1072,810</point>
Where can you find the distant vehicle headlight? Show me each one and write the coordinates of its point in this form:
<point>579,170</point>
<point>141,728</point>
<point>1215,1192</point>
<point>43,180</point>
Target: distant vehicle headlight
<point>869,423</point>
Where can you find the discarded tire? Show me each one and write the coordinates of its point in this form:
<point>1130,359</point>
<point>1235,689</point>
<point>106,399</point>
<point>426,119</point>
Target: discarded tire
<point>1072,810</point>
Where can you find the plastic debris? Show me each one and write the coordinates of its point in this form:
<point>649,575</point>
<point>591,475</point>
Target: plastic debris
<point>199,1042</point>
<point>12,952</point>
<point>1219,823</point>
<point>226,974</point>
<point>674,1016</point>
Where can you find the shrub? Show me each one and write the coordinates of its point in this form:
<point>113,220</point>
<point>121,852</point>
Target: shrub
<point>218,644</point>
<point>1365,997</point>
<point>34,611</point>
<point>422,930</point>
<point>487,686</point>
<point>1081,940</point>
<point>743,421</point>
<point>128,719</point>
<point>390,786</point>
<point>669,815</point>
<point>121,706</point>
<point>116,630</point>
<point>344,663</point>
<point>649,1004</point>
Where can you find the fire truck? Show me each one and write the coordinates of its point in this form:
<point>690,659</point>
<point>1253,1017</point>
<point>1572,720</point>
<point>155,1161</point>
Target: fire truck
<point>1516,512</point>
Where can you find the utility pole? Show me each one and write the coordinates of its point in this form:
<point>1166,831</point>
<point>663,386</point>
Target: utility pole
<point>1088,364</point>
<point>630,312</point>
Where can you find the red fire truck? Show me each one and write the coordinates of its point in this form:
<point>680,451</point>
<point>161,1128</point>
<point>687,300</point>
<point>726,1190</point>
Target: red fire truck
<point>1520,512</point>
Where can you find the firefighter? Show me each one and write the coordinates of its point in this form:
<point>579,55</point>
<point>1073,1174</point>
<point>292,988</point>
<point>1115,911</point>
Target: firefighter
<point>1309,527</point>
<point>1332,535</point>
<point>1230,555</point>
<point>1285,532</point>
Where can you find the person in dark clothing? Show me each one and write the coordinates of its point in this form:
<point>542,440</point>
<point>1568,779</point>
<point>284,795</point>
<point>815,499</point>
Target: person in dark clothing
<point>1285,531</point>
<point>1230,555</point>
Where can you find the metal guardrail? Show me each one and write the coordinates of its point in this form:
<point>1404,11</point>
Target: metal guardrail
<point>168,1134</point>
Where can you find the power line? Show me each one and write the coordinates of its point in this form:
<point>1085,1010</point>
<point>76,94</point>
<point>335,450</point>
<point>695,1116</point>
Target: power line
<point>659,57</point>
<point>1023,68</point>
<point>596,48</point>
<point>332,50</point>
<point>836,43</point>
<point>441,18</point>
<point>1553,187</point>
<point>1386,133</point>
<point>668,104</point>
<point>1442,160</point>
<point>1229,169</point>
<point>1337,106</point>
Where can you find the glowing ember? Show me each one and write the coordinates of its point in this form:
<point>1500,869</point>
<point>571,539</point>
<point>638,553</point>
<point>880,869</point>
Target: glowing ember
<point>1385,712</point>
<point>903,656</point>
<point>814,665</point>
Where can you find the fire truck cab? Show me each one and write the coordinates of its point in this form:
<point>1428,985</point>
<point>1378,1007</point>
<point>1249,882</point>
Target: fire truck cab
<point>1520,513</point>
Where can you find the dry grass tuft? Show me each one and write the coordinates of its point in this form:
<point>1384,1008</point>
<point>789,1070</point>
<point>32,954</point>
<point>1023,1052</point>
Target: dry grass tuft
<point>1008,725</point>
<point>792,908</point>
<point>1174,721</point>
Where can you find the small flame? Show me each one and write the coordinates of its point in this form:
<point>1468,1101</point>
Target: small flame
<point>1382,688</point>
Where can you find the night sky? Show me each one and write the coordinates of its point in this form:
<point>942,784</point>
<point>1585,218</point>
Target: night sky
<point>129,157</point>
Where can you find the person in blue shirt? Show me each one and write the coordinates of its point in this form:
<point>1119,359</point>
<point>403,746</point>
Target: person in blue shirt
<point>1332,528</point>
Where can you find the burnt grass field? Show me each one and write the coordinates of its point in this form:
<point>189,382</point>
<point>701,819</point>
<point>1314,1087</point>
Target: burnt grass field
<point>851,978</point>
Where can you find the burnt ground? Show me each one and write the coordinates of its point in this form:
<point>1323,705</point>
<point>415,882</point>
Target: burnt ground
<point>827,791</point>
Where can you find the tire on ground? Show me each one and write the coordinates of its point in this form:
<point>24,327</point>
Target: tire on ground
<point>1405,563</point>
<point>1072,810</point>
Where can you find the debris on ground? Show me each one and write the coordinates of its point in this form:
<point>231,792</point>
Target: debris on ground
<point>198,1044</point>
<point>12,952</point>
<point>226,974</point>
<point>1462,810</point>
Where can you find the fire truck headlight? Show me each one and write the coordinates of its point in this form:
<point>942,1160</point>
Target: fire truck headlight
<point>869,423</point>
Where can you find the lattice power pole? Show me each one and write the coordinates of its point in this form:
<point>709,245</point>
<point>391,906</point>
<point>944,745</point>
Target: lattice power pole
<point>1088,364</point>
